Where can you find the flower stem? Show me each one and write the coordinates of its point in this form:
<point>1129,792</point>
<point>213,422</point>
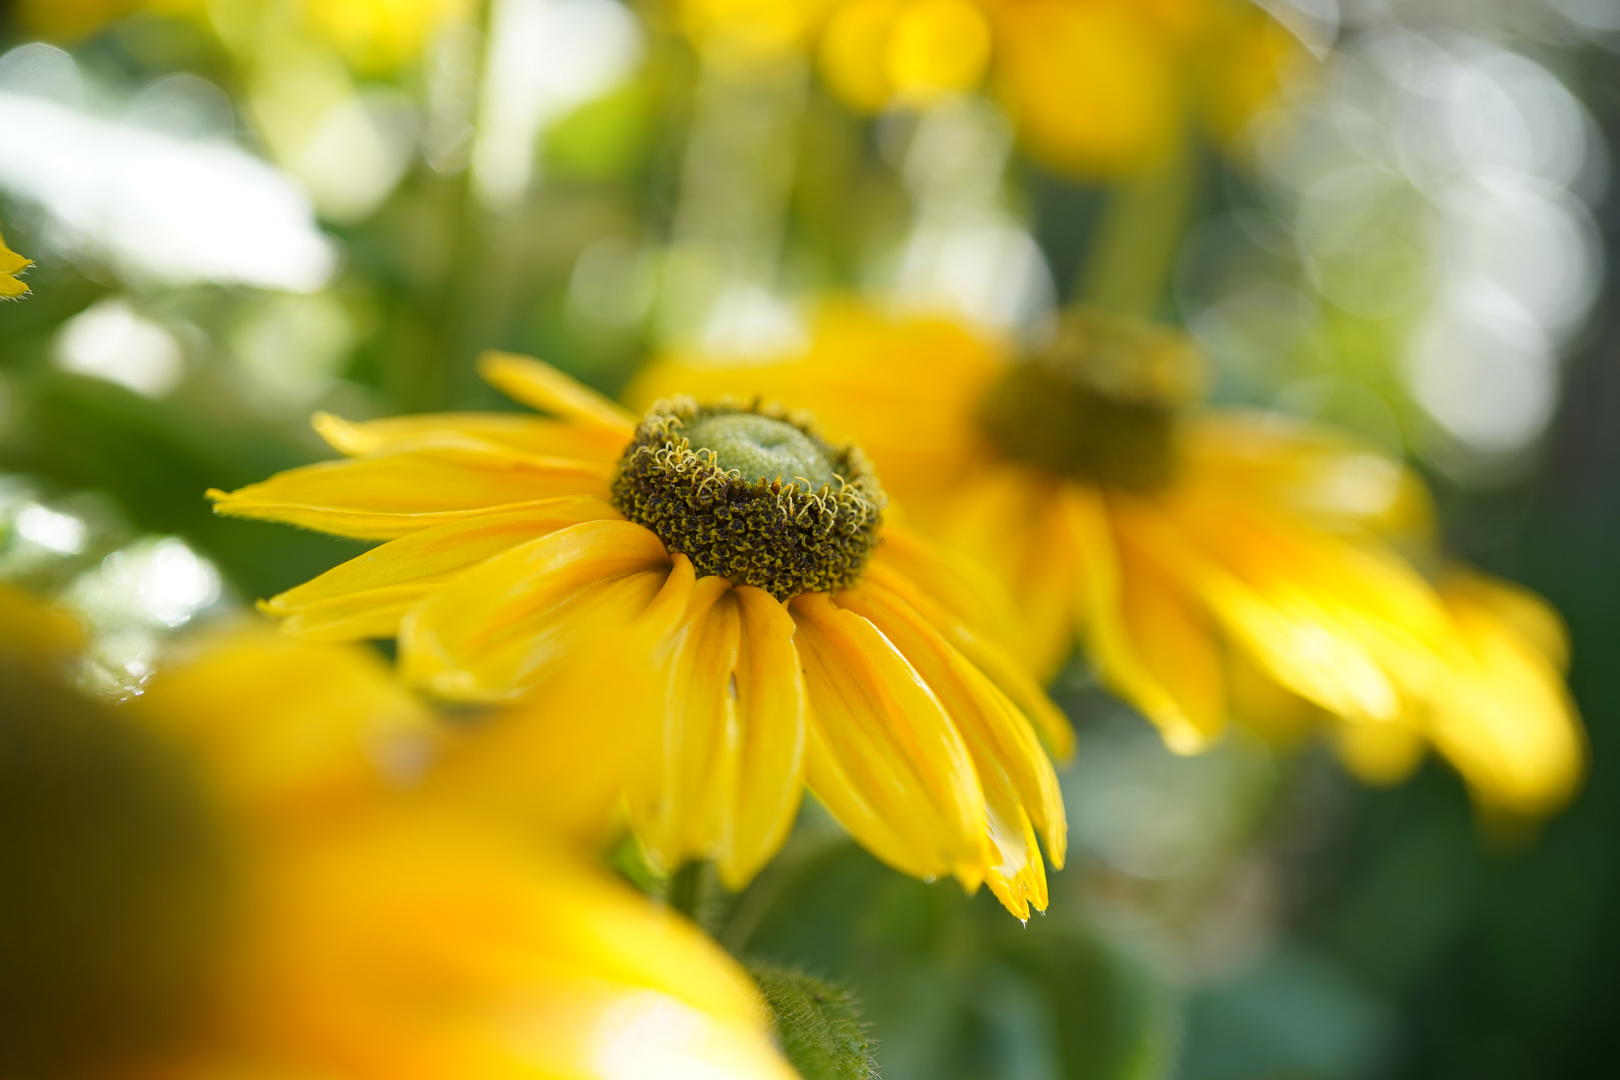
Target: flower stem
<point>1131,257</point>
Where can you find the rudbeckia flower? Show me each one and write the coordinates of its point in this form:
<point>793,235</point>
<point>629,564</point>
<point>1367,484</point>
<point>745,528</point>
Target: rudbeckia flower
<point>1190,547</point>
<point>738,569</point>
<point>174,911</point>
<point>1094,87</point>
<point>12,264</point>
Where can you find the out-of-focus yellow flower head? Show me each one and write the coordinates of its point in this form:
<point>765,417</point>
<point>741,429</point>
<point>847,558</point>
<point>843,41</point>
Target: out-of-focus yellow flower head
<point>1095,87</point>
<point>380,34</point>
<point>210,884</point>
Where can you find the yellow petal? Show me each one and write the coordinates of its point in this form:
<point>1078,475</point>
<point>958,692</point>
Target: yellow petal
<point>733,735</point>
<point>1012,521</point>
<point>1115,651</point>
<point>491,633</point>
<point>541,386</point>
<point>387,495</point>
<point>1280,461</point>
<point>679,817</point>
<point>1012,676</point>
<point>288,727</point>
<point>1000,738</point>
<point>1175,645</point>
<point>530,434</point>
<point>890,737</point>
<point>433,947</point>
<point>1520,611</point>
<point>12,264</point>
<point>368,595</point>
<point>1505,720</point>
<point>771,705</point>
<point>1286,629</point>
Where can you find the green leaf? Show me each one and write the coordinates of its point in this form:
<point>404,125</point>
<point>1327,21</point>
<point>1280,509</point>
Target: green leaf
<point>817,1024</point>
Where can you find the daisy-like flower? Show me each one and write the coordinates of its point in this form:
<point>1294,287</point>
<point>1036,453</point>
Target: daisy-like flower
<point>738,571</point>
<point>12,264</point>
<point>1190,548</point>
<point>176,910</point>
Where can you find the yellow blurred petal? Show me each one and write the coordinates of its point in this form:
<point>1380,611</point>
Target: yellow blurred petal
<point>1175,645</point>
<point>491,634</point>
<point>1011,520</point>
<point>392,494</point>
<point>437,948</point>
<point>1380,753</point>
<point>287,725</point>
<point>541,386</point>
<point>1287,629</point>
<point>368,595</point>
<point>1324,476</point>
<point>1505,720</point>
<point>890,737</point>
<point>1120,664</point>
<point>538,762</point>
<point>530,434</point>
<point>1520,611</point>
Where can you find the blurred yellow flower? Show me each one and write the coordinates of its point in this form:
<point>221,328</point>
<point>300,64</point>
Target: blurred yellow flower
<point>174,923</point>
<point>373,35</point>
<point>737,570</point>
<point>12,264</point>
<point>1190,549</point>
<point>1095,87</point>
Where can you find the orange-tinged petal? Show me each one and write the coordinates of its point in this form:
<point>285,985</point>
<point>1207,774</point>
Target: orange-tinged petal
<point>368,595</point>
<point>1000,738</point>
<point>889,735</point>
<point>387,495</point>
<point>529,434</point>
<point>541,386</point>
<point>491,633</point>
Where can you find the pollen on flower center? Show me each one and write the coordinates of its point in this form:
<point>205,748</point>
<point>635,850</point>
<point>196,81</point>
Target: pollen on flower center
<point>1098,403</point>
<point>752,494</point>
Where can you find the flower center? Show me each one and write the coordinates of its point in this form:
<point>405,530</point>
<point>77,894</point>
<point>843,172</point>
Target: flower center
<point>1098,403</point>
<point>751,494</point>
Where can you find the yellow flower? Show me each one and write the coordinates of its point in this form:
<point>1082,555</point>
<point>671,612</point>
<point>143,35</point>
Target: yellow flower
<point>758,630</point>
<point>12,264</point>
<point>187,915</point>
<point>1191,549</point>
<point>1095,87</point>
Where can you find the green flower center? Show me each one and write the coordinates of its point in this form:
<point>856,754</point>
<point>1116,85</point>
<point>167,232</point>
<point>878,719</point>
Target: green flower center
<point>762,448</point>
<point>751,494</point>
<point>1097,404</point>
